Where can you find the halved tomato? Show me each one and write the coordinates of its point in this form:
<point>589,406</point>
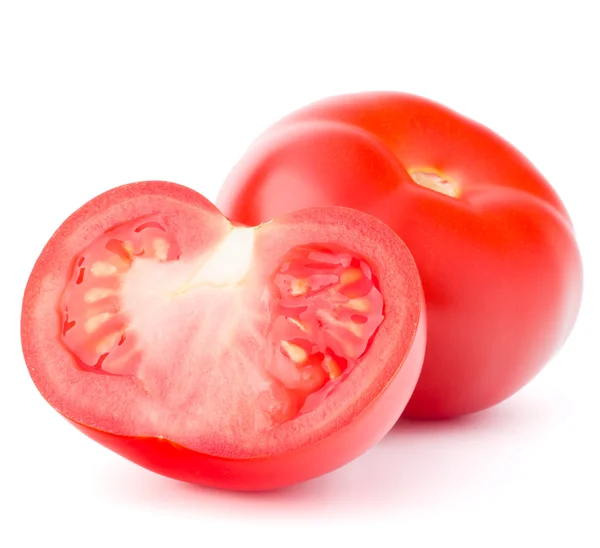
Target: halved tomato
<point>232,356</point>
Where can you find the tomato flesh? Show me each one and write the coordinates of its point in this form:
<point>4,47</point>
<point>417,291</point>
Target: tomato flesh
<point>238,357</point>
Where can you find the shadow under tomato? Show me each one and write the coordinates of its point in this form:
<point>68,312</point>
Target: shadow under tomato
<point>419,463</point>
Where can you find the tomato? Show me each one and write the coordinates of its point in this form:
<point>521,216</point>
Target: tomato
<point>232,356</point>
<point>494,245</point>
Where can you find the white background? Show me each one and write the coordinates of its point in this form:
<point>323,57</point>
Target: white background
<point>93,95</point>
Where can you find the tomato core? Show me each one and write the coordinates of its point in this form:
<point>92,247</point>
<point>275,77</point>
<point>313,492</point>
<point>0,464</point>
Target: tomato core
<point>132,296</point>
<point>435,181</point>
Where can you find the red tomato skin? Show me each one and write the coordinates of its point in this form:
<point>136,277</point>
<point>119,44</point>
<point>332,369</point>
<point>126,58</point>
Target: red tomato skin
<point>272,472</point>
<point>500,266</point>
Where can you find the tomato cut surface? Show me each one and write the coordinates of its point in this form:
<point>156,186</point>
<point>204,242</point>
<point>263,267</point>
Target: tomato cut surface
<point>240,357</point>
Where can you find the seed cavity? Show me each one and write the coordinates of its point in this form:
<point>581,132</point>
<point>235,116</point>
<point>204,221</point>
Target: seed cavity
<point>94,327</point>
<point>327,309</point>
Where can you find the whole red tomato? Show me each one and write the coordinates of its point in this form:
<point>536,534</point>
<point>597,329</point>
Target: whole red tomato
<point>237,357</point>
<point>493,243</point>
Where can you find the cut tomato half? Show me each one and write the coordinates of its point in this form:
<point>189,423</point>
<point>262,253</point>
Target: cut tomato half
<point>232,356</point>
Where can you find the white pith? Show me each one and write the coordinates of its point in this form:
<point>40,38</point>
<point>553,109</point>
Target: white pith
<point>201,330</point>
<point>228,263</point>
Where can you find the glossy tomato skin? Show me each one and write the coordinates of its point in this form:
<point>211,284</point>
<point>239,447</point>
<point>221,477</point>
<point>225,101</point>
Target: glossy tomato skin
<point>499,263</point>
<point>271,472</point>
<point>360,428</point>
